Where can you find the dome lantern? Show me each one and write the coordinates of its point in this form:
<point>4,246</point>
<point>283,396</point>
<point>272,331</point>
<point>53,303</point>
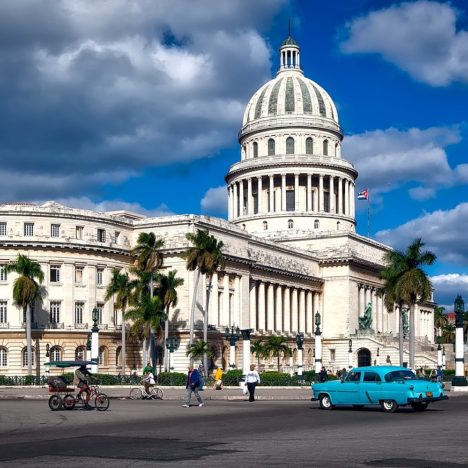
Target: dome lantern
<point>290,55</point>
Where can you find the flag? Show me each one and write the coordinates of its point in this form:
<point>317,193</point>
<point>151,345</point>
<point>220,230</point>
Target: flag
<point>363,195</point>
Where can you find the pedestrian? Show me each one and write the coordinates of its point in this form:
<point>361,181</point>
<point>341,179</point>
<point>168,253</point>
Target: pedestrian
<point>193,385</point>
<point>252,379</point>
<point>440,374</point>
<point>323,376</point>
<point>344,374</point>
<point>148,368</point>
<point>218,379</point>
<point>388,361</point>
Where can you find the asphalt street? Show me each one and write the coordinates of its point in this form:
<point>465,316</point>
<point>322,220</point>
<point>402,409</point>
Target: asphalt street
<point>232,433</point>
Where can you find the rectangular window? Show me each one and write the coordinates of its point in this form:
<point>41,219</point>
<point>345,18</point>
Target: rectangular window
<point>79,232</point>
<point>99,276</point>
<point>55,312</point>
<point>55,273</point>
<point>3,273</point>
<point>332,355</point>
<point>79,306</point>
<point>117,237</point>
<point>290,200</point>
<point>79,275</point>
<point>55,230</point>
<point>28,229</point>
<point>3,229</point>
<point>100,307</point>
<point>3,311</point>
<point>101,235</point>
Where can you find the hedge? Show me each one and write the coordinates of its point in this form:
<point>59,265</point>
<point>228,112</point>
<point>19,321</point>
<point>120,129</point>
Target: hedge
<point>172,378</point>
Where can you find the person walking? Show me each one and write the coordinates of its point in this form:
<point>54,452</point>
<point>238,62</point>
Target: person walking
<point>252,379</point>
<point>323,376</point>
<point>218,379</point>
<point>192,386</point>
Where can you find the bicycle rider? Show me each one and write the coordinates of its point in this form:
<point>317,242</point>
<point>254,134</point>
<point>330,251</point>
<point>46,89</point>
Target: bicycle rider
<point>82,375</point>
<point>148,381</point>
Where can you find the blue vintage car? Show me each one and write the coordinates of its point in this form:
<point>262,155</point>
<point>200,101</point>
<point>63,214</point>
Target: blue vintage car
<point>387,386</point>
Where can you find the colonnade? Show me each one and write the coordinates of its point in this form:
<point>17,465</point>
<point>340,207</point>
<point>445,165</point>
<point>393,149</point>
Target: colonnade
<point>291,192</point>
<point>368,294</point>
<point>282,309</point>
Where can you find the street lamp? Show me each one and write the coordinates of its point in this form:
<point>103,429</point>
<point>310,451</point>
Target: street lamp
<point>350,353</point>
<point>439,354</point>
<point>318,344</point>
<point>459,381</point>
<point>246,349</point>
<point>47,355</point>
<point>95,315</point>
<point>233,335</point>
<point>171,345</point>
<point>377,361</point>
<point>300,349</point>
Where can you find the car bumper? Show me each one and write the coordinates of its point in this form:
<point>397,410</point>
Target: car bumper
<point>427,399</point>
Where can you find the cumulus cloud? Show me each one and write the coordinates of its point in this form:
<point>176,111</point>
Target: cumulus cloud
<point>215,201</point>
<point>386,159</point>
<point>420,37</point>
<point>99,91</point>
<point>448,287</point>
<point>443,232</point>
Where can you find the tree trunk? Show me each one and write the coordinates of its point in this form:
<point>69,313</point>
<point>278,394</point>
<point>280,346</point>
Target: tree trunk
<point>400,334</point>
<point>205,325</point>
<point>412,336</point>
<point>166,336</point>
<point>28,338</point>
<point>123,354</point>
<point>192,312</point>
<point>278,362</point>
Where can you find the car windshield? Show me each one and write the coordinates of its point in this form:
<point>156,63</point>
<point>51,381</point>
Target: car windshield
<point>399,375</point>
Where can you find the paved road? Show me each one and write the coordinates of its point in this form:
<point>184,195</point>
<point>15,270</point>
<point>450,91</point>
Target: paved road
<point>232,433</point>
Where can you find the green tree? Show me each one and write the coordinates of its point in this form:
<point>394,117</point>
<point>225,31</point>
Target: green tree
<point>199,349</point>
<point>411,284</point>
<point>277,346</point>
<point>258,349</point>
<point>440,319</point>
<point>204,255</point>
<point>121,289</point>
<point>448,333</point>
<point>167,291</point>
<point>26,291</point>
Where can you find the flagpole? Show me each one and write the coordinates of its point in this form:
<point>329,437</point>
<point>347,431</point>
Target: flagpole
<point>368,215</point>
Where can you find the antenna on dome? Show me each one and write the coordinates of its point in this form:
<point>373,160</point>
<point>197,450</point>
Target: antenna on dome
<point>289,27</point>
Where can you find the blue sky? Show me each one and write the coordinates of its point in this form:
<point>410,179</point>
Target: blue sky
<point>137,105</point>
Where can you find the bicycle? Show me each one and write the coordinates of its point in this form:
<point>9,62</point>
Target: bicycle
<point>101,400</point>
<point>138,393</point>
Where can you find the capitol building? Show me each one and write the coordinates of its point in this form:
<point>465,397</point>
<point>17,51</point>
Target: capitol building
<point>290,246</point>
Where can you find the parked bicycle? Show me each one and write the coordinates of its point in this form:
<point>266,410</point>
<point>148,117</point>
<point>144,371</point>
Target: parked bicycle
<point>139,393</point>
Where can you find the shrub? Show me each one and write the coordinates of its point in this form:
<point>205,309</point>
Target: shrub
<point>172,378</point>
<point>274,378</point>
<point>232,377</point>
<point>309,376</point>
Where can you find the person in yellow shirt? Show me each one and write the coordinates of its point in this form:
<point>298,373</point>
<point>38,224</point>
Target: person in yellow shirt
<point>218,379</point>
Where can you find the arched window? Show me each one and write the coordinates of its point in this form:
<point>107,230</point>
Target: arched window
<point>80,353</point>
<point>271,147</point>
<point>265,226</point>
<point>118,356</point>
<point>55,354</point>
<point>325,147</point>
<point>102,356</point>
<point>290,223</point>
<point>255,149</point>
<point>24,357</point>
<point>3,357</point>
<point>309,146</point>
<point>316,224</point>
<point>290,145</point>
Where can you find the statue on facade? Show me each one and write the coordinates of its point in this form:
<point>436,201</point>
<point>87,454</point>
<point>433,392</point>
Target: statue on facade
<point>365,321</point>
<point>404,316</point>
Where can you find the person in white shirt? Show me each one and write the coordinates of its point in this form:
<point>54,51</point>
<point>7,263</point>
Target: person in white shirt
<point>252,379</point>
<point>148,381</point>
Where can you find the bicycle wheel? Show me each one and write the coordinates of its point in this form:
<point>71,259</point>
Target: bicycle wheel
<point>55,402</point>
<point>69,401</point>
<point>136,394</point>
<point>157,393</point>
<point>102,402</point>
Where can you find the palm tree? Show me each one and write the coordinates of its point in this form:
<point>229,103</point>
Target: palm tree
<point>206,257</point>
<point>440,319</point>
<point>123,288</point>
<point>198,349</point>
<point>26,291</point>
<point>277,345</point>
<point>448,333</point>
<point>258,348</point>
<point>167,291</point>
<point>410,284</point>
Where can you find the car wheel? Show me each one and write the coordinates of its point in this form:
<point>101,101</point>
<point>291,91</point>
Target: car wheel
<point>325,402</point>
<point>389,406</point>
<point>419,406</point>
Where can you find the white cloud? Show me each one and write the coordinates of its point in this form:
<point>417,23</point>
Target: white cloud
<point>448,286</point>
<point>421,37</point>
<point>215,201</point>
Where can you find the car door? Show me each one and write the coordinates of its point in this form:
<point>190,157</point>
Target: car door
<point>370,390</point>
<point>347,392</point>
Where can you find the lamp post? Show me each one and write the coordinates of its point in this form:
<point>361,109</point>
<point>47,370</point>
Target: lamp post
<point>233,335</point>
<point>47,357</point>
<point>377,360</point>
<point>95,340</point>
<point>459,382</point>
<point>350,353</point>
<point>171,345</point>
<point>246,350</point>
<point>440,362</point>
<point>318,344</point>
<point>443,358</point>
<point>300,348</point>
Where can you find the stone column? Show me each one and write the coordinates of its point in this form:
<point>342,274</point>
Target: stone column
<point>229,202</point>
<point>235,213</point>
<point>332,194</point>
<point>287,309</point>
<point>260,194</point>
<point>294,311</point>
<point>241,198</point>
<point>226,302</point>
<point>283,192</point>
<point>320,194</point>
<point>302,311</point>
<point>309,192</point>
<point>235,314</point>
<point>279,309</point>
<point>340,196</point>
<point>309,312</point>
<point>214,301</point>
<point>346,194</point>
<point>296,192</point>
<point>270,321</point>
<point>253,305</point>
<point>272,183</point>
<point>249,196</point>
<point>352,200</point>
<point>245,350</point>
<point>261,306</point>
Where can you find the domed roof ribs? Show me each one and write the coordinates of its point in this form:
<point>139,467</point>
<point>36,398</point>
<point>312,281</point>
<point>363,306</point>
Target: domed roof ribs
<point>322,109</point>
<point>289,101</point>
<point>306,99</point>
<point>258,107</point>
<point>273,103</point>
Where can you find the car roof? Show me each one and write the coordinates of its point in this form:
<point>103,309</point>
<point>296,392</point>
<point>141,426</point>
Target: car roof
<point>380,369</point>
